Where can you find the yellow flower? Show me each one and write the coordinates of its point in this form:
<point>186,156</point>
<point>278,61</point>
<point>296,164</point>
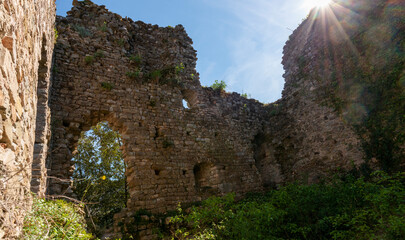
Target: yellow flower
<point>103,177</point>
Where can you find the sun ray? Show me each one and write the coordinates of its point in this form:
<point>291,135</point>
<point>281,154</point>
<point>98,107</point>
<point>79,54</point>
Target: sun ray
<point>332,27</point>
<point>310,4</point>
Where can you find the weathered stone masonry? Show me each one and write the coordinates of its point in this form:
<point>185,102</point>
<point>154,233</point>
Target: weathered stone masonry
<point>223,142</point>
<point>136,75</point>
<point>173,154</point>
<point>26,47</point>
<point>307,138</point>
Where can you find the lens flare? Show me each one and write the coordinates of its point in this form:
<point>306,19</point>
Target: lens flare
<point>317,3</point>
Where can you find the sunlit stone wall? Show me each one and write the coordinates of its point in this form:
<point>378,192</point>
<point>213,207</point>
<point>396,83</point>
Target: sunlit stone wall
<point>26,46</point>
<point>327,61</point>
<point>131,74</point>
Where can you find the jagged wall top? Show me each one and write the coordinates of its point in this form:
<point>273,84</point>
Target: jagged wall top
<point>87,19</point>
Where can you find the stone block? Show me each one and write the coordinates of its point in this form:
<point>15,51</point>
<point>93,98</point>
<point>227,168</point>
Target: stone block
<point>8,134</point>
<point>8,42</point>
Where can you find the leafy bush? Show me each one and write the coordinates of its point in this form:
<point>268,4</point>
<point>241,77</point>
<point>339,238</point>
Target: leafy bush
<point>343,209</point>
<point>55,220</point>
<point>219,86</point>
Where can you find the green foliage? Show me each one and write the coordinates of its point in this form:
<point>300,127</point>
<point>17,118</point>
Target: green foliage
<point>275,109</point>
<point>168,75</point>
<point>245,95</point>
<point>219,86</point>
<point>83,32</point>
<point>344,209</point>
<point>99,54</point>
<point>133,74</point>
<point>99,176</point>
<point>107,86</point>
<point>137,59</point>
<point>56,35</point>
<point>89,60</point>
<point>179,68</point>
<point>103,27</point>
<point>55,220</point>
<point>155,75</point>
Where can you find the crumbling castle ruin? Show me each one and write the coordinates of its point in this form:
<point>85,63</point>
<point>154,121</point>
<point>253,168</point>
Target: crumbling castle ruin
<point>135,76</point>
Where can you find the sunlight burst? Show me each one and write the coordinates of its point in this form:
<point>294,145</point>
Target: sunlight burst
<point>317,3</point>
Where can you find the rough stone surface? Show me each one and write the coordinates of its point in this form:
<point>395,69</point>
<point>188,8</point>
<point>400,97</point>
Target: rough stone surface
<point>221,143</point>
<point>306,138</point>
<point>135,76</point>
<point>26,49</point>
<point>173,154</point>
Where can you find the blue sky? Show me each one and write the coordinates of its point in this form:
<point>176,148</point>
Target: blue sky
<point>238,41</point>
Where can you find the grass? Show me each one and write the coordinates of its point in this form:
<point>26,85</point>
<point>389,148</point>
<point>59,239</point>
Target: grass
<point>55,220</point>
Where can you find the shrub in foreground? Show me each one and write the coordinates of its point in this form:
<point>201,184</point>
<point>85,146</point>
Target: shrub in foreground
<point>344,209</point>
<point>55,220</point>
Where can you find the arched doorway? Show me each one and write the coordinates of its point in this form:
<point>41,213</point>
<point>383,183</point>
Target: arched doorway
<point>99,175</point>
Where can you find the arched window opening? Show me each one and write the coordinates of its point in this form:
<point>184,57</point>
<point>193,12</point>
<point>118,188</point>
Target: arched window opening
<point>99,176</point>
<point>189,99</point>
<point>206,177</point>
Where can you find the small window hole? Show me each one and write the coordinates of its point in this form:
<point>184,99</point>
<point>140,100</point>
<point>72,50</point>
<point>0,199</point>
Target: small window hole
<point>185,104</point>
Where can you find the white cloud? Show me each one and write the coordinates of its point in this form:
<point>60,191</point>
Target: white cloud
<point>256,50</point>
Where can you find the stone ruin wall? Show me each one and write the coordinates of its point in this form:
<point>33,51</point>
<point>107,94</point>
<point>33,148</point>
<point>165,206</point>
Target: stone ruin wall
<point>26,46</point>
<point>307,139</point>
<point>173,154</point>
<point>246,146</point>
<point>222,143</point>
